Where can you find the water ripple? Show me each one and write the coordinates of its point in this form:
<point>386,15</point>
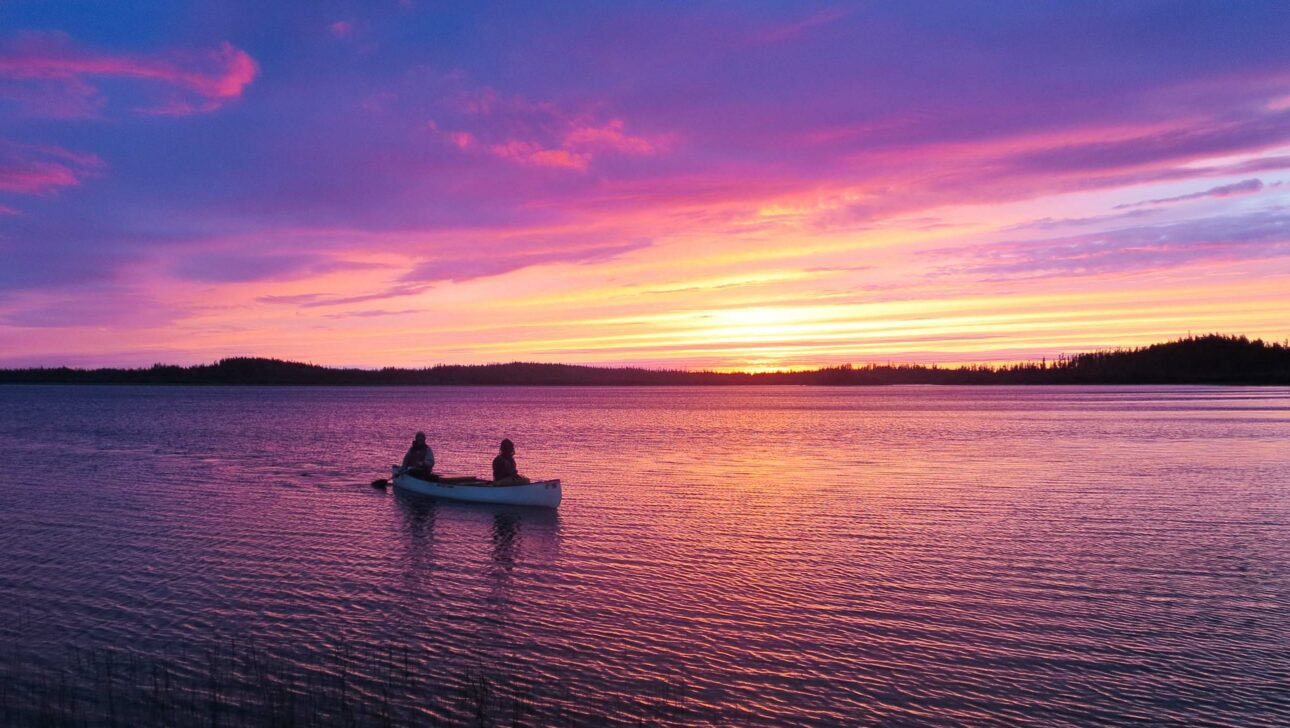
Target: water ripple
<point>729,556</point>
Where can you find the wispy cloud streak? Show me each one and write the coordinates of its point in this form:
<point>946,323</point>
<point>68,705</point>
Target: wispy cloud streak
<point>207,79</point>
<point>1154,247</point>
<point>1244,187</point>
<point>42,169</point>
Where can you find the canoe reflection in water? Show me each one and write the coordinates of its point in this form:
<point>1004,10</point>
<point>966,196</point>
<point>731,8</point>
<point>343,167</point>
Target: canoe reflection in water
<point>450,532</point>
<point>506,531</point>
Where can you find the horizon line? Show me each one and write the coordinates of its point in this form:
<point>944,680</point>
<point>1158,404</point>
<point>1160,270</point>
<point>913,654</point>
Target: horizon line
<point>889,363</point>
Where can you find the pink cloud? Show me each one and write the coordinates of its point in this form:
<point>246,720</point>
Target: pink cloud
<point>538,133</point>
<point>341,28</point>
<point>575,150</point>
<point>531,153</point>
<point>608,136</point>
<point>39,170</point>
<point>558,158</point>
<point>58,69</point>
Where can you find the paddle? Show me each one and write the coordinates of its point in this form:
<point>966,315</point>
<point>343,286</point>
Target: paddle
<point>382,483</point>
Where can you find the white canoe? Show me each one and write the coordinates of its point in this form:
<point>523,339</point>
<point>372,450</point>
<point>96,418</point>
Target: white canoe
<point>545,493</point>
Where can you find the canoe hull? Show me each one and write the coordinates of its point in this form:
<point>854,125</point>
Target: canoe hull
<point>542,494</point>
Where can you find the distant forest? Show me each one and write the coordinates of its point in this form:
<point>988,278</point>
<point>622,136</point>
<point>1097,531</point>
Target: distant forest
<point>1211,359</point>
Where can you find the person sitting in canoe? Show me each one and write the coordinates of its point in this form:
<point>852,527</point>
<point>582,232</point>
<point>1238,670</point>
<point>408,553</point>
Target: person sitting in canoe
<point>504,470</point>
<point>419,462</point>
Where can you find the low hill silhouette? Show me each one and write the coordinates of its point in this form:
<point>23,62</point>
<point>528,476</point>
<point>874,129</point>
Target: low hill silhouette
<point>1209,359</point>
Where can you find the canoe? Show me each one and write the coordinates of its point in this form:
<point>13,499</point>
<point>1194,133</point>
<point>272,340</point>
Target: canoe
<point>544,493</point>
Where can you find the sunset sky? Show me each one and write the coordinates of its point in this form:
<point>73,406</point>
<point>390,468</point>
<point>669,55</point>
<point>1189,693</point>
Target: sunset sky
<point>720,185</point>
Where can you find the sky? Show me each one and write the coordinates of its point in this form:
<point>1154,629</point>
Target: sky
<point>726,185</point>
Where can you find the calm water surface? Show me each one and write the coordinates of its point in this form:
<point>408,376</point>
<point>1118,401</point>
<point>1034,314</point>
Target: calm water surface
<point>764,556</point>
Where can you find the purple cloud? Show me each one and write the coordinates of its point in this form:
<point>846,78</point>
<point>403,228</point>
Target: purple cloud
<point>393,292</point>
<point>1234,237</point>
<point>97,305</point>
<point>247,266</point>
<point>373,313</point>
<point>320,300</point>
<point>1169,145</point>
<point>484,264</point>
<point>1244,187</point>
<point>1054,223</point>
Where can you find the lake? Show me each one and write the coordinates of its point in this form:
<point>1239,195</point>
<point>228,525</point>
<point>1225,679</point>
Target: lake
<point>729,555</point>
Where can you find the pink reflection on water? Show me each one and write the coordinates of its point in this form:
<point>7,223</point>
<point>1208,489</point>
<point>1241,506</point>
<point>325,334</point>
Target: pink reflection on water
<point>787,555</point>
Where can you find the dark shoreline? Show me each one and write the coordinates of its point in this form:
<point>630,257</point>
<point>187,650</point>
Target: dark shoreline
<point>1211,359</point>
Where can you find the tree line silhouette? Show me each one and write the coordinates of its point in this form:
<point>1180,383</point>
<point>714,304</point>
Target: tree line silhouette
<point>1208,359</point>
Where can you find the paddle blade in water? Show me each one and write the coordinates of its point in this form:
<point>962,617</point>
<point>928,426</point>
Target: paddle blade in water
<point>380,483</point>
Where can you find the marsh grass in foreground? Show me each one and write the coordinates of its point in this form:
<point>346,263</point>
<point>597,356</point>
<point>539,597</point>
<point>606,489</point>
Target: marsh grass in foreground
<point>238,683</point>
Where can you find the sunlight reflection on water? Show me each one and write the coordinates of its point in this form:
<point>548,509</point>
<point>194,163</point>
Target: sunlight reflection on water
<point>786,555</point>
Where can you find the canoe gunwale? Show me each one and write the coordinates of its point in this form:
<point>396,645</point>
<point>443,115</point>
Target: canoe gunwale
<point>541,493</point>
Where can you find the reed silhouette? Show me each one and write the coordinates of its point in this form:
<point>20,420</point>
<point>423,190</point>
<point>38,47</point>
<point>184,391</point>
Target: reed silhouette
<point>236,683</point>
